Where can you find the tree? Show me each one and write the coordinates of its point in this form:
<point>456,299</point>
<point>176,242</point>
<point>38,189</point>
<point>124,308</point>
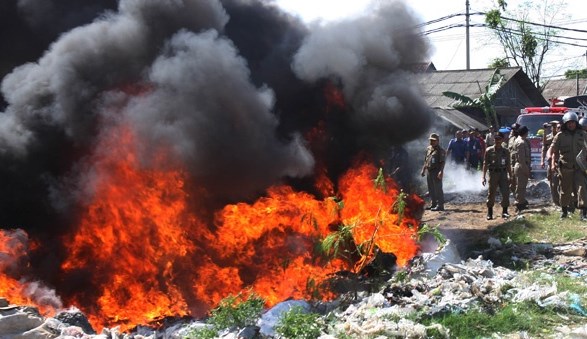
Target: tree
<point>576,73</point>
<point>499,63</point>
<point>484,102</point>
<point>526,42</point>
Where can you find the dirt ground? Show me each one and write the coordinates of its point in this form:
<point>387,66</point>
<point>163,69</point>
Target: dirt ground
<point>464,219</point>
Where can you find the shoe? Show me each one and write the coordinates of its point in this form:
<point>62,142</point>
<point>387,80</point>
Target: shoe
<point>431,207</point>
<point>584,214</point>
<point>564,213</point>
<point>437,208</point>
<point>489,213</point>
<point>505,214</point>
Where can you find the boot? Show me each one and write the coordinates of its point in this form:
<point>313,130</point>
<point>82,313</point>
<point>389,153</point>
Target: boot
<point>565,212</point>
<point>489,213</point>
<point>504,213</point>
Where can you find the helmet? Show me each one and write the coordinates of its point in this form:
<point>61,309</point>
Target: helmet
<point>570,116</point>
<point>583,122</point>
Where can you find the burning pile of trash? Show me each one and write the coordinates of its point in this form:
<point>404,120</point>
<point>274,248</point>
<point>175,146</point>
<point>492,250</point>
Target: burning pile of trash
<point>434,283</point>
<point>162,155</point>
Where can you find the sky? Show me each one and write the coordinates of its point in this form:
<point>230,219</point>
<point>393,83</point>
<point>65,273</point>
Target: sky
<point>450,45</point>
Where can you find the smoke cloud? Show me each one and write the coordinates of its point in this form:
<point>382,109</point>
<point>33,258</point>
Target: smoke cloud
<point>372,57</point>
<point>232,87</point>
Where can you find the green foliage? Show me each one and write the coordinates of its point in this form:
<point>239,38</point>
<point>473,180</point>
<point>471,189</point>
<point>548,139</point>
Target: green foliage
<point>433,231</point>
<point>399,206</point>
<point>202,333</point>
<point>527,35</point>
<point>499,63</point>
<point>502,4</point>
<point>339,244</point>
<point>380,181</point>
<point>493,18</point>
<point>574,73</point>
<point>299,324</point>
<point>484,102</point>
<point>237,311</point>
<point>529,42</point>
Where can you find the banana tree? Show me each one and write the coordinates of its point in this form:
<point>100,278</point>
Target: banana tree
<point>484,102</point>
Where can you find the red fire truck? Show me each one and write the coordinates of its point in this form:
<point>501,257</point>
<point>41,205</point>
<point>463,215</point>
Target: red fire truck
<point>534,118</point>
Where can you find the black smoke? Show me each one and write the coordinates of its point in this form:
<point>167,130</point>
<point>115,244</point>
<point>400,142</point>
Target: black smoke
<point>232,86</point>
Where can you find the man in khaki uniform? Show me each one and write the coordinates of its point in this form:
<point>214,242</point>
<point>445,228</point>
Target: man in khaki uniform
<point>497,162</point>
<point>510,146</point>
<point>565,147</point>
<point>433,168</point>
<point>521,168</point>
<point>552,176</point>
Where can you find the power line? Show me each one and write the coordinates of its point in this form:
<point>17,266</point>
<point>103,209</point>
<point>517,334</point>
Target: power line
<point>440,29</point>
<point>508,30</point>
<point>545,25</point>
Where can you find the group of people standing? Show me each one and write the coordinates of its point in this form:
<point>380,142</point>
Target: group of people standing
<point>505,162</point>
<point>564,156</point>
<point>467,148</point>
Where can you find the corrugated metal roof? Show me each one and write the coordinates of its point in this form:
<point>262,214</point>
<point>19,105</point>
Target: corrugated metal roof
<point>557,88</point>
<point>459,119</point>
<point>470,83</point>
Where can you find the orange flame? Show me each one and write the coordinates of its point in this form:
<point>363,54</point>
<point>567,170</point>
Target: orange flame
<point>13,285</point>
<point>151,256</point>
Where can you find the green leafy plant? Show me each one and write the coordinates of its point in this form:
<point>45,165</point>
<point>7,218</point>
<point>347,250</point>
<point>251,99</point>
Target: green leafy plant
<point>399,206</point>
<point>232,312</point>
<point>299,324</point>
<point>484,102</point>
<point>340,244</point>
<point>433,231</point>
<point>380,181</point>
<point>237,311</point>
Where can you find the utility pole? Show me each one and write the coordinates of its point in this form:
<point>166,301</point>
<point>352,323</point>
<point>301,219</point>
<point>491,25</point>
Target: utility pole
<point>467,37</point>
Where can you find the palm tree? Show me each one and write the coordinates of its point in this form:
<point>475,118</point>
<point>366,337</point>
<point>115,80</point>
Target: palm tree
<point>484,101</point>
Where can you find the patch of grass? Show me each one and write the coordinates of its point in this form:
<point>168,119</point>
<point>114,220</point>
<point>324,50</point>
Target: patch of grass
<point>542,228</point>
<point>299,324</point>
<point>511,318</point>
<point>564,282</point>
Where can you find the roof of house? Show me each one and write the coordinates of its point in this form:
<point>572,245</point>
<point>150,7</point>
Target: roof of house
<point>560,88</point>
<point>459,119</point>
<point>471,83</point>
<point>421,67</point>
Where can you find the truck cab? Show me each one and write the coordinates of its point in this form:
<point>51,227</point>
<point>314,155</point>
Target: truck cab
<point>534,118</point>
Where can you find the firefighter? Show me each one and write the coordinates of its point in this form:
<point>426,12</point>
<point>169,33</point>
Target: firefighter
<point>583,123</point>
<point>565,147</point>
<point>497,161</point>
<point>553,179</point>
<point>433,168</point>
<point>521,168</point>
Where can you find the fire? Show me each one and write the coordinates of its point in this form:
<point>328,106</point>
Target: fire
<point>151,255</point>
<point>14,286</point>
<point>133,234</point>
